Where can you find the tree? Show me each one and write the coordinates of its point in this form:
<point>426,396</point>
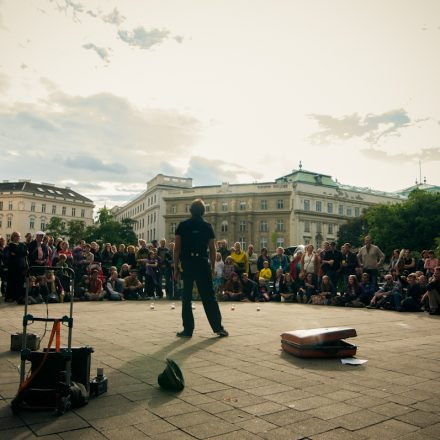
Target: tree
<point>352,232</point>
<point>56,228</point>
<point>76,231</point>
<point>127,233</point>
<point>104,215</point>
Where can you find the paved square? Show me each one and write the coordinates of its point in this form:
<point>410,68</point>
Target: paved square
<point>243,386</point>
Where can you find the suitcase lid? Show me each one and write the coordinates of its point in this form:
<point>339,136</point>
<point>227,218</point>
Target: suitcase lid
<point>318,335</point>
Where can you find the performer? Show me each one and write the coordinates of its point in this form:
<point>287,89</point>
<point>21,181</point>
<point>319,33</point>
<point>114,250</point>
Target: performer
<point>193,237</point>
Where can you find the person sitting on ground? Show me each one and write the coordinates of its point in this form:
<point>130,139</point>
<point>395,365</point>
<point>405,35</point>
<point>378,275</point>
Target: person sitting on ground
<point>352,293</point>
<point>263,292</point>
<point>383,296</point>
<point>95,291</point>
<point>275,294</point>
<point>326,292</point>
<point>55,291</point>
<point>307,289</point>
<point>249,287</point>
<point>266,273</point>
<point>62,272</point>
<point>228,268</point>
<point>233,289</point>
<point>288,288</point>
<point>114,288</point>
<point>132,286</point>
<point>433,288</point>
<point>413,296</point>
<point>367,289</point>
<point>34,290</point>
<point>240,260</point>
<point>81,288</point>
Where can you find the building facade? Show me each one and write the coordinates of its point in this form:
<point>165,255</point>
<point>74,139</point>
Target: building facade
<point>27,206</point>
<point>148,209</point>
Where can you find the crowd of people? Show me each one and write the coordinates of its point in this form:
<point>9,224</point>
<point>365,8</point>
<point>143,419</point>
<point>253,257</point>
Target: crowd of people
<point>53,271</point>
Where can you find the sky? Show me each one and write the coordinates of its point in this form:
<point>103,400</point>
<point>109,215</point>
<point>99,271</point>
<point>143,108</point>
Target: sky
<point>103,95</point>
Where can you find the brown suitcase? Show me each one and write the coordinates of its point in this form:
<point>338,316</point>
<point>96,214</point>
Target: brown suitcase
<point>319,342</point>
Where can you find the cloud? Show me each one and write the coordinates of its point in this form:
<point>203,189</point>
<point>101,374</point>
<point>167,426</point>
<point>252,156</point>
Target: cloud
<point>74,136</point>
<point>142,38</point>
<point>370,127</point>
<point>67,6</point>
<point>425,155</point>
<point>4,82</point>
<point>211,171</point>
<point>114,17</point>
<point>103,53</point>
<point>92,14</point>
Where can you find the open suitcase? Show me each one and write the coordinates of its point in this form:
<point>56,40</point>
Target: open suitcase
<point>319,342</point>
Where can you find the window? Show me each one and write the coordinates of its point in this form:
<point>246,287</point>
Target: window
<point>224,226</point>
<point>31,223</point>
<point>43,225</point>
<point>242,206</point>
<point>263,204</point>
<point>306,205</point>
<point>54,209</point>
<point>263,226</point>
<point>73,212</point>
<point>280,241</point>
<point>356,212</point>
<point>242,226</point>
<point>306,226</point>
<point>1,206</point>
<point>83,213</point>
<point>263,242</point>
<point>318,206</point>
<point>330,208</point>
<point>341,209</point>
<point>63,211</point>
<point>330,229</point>
<point>224,206</point>
<point>173,209</point>
<point>349,212</point>
<point>43,207</point>
<point>242,241</point>
<point>10,206</point>
<point>318,227</point>
<point>9,223</point>
<point>280,225</point>
<point>207,207</point>
<point>173,228</point>
<point>33,207</point>
<point>280,204</point>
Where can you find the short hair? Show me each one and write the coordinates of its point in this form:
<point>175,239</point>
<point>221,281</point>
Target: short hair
<point>197,208</point>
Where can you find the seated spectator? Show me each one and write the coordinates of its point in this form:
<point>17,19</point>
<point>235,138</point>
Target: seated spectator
<point>412,301</point>
<point>114,287</point>
<point>433,288</point>
<point>263,291</point>
<point>249,288</point>
<point>233,290</point>
<point>34,290</point>
<point>125,271</point>
<point>420,264</point>
<point>394,259</point>
<point>289,288</point>
<point>266,273</point>
<point>382,298</point>
<point>275,294</point>
<point>326,292</point>
<point>240,260</point>
<point>306,289</point>
<point>81,288</point>
<point>95,291</point>
<point>367,289</point>
<point>352,293</point>
<point>228,268</point>
<point>132,286</point>
<point>62,273</point>
<point>51,287</point>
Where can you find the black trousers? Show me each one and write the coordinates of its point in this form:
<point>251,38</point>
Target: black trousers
<point>199,270</point>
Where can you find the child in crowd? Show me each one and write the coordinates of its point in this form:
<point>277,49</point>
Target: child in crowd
<point>266,273</point>
<point>218,269</point>
<point>263,291</point>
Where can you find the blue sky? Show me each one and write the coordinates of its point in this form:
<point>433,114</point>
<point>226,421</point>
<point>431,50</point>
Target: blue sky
<point>103,95</point>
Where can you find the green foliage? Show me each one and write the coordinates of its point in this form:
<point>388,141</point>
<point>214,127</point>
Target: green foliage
<point>76,231</point>
<point>55,228</point>
<point>352,232</point>
<point>413,224</point>
<point>104,215</point>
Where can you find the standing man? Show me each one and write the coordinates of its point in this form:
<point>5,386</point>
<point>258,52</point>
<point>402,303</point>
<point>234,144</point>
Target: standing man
<point>370,257</point>
<point>252,259</point>
<point>165,263</point>
<point>193,237</point>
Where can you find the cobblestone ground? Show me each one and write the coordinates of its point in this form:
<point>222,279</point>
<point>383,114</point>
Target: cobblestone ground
<point>242,387</point>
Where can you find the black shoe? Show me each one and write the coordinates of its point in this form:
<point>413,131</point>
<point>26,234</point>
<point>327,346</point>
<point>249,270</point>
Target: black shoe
<point>223,333</point>
<point>184,334</point>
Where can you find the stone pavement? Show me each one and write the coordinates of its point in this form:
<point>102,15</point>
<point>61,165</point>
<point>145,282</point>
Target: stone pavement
<point>242,387</point>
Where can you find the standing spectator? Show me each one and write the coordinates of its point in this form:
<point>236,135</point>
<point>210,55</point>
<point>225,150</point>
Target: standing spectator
<point>348,263</point>
<point>330,263</point>
<point>141,261</point>
<point>370,258</point>
<point>394,259</point>
<point>27,239</point>
<point>280,260</point>
<point>94,249</point>
<point>430,264</point>
<point>151,281</point>
<point>295,265</point>
<point>262,258</point>
<point>106,259</point>
<point>223,249</point>
<point>120,257</point>
<point>433,289</point>
<point>131,257</point>
<point>310,263</point>
<point>218,276</point>
<point>2,267</point>
<point>165,260</point>
<point>16,265</point>
<point>409,263</point>
<point>240,260</point>
<point>38,253</point>
<point>252,259</point>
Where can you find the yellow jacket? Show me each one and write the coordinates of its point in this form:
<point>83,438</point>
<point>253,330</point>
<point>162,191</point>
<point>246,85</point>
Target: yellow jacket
<point>266,273</point>
<point>241,261</point>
